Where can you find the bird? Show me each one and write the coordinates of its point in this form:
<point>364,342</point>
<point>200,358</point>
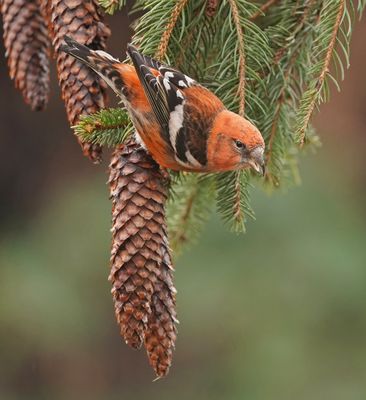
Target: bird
<point>181,124</point>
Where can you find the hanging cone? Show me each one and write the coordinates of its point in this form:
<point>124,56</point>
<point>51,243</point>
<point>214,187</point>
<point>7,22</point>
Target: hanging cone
<point>82,90</point>
<point>141,268</point>
<point>27,49</point>
<point>161,332</point>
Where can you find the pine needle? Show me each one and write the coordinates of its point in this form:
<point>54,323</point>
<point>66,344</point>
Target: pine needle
<point>169,29</point>
<point>312,95</point>
<point>276,74</point>
<point>108,127</point>
<point>111,6</point>
<point>240,34</point>
<point>189,208</point>
<point>263,9</point>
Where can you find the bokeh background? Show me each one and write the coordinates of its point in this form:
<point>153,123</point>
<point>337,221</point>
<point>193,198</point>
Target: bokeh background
<point>279,313</point>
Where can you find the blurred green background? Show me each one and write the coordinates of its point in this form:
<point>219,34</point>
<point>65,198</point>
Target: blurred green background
<point>279,313</point>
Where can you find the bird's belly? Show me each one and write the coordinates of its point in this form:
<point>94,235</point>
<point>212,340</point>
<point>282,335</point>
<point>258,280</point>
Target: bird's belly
<point>148,135</point>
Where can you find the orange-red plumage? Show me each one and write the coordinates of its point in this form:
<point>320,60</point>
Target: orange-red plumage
<point>138,98</point>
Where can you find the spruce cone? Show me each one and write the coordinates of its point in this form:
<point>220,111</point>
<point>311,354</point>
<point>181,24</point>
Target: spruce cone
<point>27,49</point>
<point>141,268</point>
<point>161,330</point>
<point>82,90</point>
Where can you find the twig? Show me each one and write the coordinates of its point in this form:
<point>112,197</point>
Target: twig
<point>185,42</point>
<point>262,9</point>
<point>324,71</point>
<point>239,30</point>
<point>238,213</point>
<point>164,42</point>
<point>281,51</point>
<point>273,132</point>
<point>281,97</point>
<point>281,100</point>
<point>179,235</point>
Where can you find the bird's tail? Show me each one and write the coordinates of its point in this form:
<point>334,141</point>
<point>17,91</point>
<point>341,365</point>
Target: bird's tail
<point>106,66</point>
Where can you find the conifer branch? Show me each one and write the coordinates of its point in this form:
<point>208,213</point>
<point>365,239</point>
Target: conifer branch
<point>179,236</point>
<point>188,208</point>
<point>263,9</point>
<point>311,96</point>
<point>233,198</point>
<point>237,210</point>
<point>331,45</point>
<point>272,135</point>
<point>254,55</point>
<point>163,46</point>
<point>111,6</point>
<point>361,6</point>
<point>107,127</point>
<point>240,34</point>
<point>182,53</point>
<point>286,76</point>
<point>238,216</point>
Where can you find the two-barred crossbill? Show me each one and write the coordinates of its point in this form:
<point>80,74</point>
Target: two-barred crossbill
<point>183,125</point>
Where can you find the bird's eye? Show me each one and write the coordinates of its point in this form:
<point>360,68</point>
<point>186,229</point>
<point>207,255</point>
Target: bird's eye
<point>239,144</point>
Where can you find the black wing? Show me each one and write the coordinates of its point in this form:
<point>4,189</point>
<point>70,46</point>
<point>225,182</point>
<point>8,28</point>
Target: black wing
<point>166,96</point>
<point>177,78</point>
<point>162,94</point>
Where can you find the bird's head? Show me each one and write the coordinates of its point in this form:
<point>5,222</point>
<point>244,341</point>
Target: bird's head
<point>234,143</point>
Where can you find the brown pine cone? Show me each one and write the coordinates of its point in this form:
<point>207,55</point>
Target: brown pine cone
<point>141,268</point>
<point>27,49</point>
<point>82,90</point>
<point>161,332</point>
